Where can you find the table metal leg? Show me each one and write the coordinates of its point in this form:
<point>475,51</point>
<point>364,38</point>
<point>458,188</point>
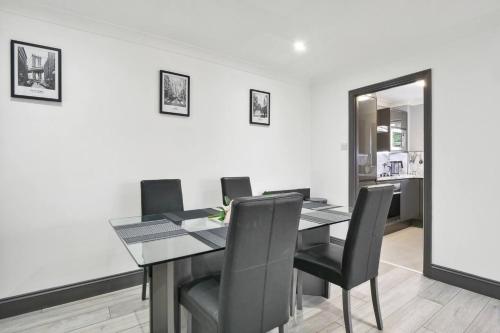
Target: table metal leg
<point>163,300</point>
<point>164,308</point>
<point>173,309</point>
<point>311,284</point>
<point>189,323</point>
<point>158,297</point>
<point>300,282</point>
<point>293,293</point>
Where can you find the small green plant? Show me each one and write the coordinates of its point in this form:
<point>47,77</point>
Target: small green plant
<point>223,210</point>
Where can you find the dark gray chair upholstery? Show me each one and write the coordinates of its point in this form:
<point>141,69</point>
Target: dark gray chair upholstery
<point>358,260</point>
<point>235,187</point>
<point>252,293</point>
<point>306,192</point>
<point>160,196</point>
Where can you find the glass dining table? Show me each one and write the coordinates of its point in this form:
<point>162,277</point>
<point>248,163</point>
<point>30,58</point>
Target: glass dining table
<point>178,247</point>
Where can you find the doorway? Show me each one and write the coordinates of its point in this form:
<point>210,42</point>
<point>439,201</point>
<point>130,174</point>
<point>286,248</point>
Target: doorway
<point>390,142</point>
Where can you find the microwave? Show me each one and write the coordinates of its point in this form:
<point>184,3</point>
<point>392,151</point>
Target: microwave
<point>398,139</point>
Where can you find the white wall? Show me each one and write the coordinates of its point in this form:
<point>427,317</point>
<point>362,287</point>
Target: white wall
<point>66,168</point>
<point>466,81</point>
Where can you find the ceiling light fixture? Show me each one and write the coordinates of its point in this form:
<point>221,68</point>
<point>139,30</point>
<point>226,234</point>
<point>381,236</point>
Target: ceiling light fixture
<point>299,46</point>
<point>363,98</point>
<point>420,83</point>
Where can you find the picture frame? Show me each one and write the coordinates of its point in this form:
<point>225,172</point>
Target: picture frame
<point>260,107</point>
<point>35,71</point>
<point>175,93</point>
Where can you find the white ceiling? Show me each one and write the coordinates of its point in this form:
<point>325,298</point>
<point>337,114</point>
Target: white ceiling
<point>339,34</point>
<point>410,94</point>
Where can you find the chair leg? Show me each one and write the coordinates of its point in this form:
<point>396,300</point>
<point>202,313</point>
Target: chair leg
<point>299,289</point>
<point>144,283</point>
<point>293,293</point>
<point>189,321</point>
<point>376,303</point>
<point>282,329</point>
<point>346,305</point>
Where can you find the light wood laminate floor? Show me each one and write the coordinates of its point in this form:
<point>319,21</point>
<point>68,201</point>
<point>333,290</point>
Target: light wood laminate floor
<point>409,302</point>
<point>404,248</point>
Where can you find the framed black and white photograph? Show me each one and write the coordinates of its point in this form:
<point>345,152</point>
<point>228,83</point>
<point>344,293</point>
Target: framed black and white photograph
<point>35,71</point>
<point>260,107</point>
<point>174,93</point>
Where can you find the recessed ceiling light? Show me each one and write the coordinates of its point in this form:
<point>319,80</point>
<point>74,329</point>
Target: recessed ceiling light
<point>420,83</point>
<point>363,98</point>
<point>299,46</point>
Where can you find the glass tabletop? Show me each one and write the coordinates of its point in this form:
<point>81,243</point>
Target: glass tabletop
<point>158,238</point>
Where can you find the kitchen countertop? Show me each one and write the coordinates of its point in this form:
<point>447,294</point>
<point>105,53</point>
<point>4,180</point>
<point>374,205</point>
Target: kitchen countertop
<point>398,177</point>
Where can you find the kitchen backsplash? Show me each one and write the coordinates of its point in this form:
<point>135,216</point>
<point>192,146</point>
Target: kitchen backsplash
<point>384,158</point>
<point>416,163</point>
<point>413,162</point>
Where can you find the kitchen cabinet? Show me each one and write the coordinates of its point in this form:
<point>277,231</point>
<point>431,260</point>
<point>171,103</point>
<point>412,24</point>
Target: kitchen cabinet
<point>392,130</point>
<point>421,201</point>
<point>399,118</point>
<point>410,199</point>
<point>383,129</point>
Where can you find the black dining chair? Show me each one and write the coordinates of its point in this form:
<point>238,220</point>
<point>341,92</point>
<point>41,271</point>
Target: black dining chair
<point>252,293</point>
<point>358,260</point>
<point>306,192</point>
<point>235,187</point>
<point>159,196</point>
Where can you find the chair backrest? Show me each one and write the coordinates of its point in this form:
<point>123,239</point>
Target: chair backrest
<point>161,196</point>
<point>258,264</point>
<point>306,192</point>
<point>235,187</point>
<point>361,255</point>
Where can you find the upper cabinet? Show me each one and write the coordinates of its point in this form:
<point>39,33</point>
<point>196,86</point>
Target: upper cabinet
<point>383,126</point>
<point>399,119</point>
<point>392,127</point>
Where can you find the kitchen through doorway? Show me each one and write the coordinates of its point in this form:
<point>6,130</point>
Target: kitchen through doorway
<point>388,145</point>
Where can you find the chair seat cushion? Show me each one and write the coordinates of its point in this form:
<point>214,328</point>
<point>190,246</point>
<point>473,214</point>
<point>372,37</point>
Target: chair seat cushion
<point>323,261</point>
<point>201,298</point>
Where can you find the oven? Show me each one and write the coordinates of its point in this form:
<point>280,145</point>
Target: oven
<point>395,209</point>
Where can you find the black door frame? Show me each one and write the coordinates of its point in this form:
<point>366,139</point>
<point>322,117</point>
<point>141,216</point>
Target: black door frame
<point>425,75</point>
